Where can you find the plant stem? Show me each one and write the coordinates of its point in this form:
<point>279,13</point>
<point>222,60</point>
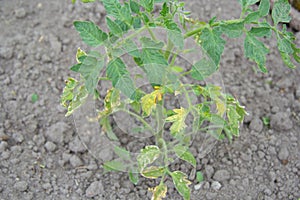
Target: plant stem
<point>170,46</point>
<point>139,118</point>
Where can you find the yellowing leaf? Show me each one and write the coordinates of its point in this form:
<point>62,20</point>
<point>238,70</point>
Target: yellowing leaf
<point>149,101</point>
<point>111,101</point>
<point>221,107</point>
<point>159,192</point>
<point>147,156</point>
<point>79,54</point>
<point>178,120</point>
<point>181,184</point>
<point>153,172</point>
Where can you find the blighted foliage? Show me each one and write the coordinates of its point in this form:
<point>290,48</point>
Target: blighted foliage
<point>217,114</point>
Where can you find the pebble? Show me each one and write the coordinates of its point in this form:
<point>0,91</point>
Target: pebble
<point>106,154</point>
<point>21,186</point>
<point>50,146</point>
<point>198,186</point>
<point>57,131</point>
<point>209,170</point>
<point>94,189</point>
<point>6,52</point>
<point>77,146</point>
<point>20,13</point>
<point>192,174</point>
<point>3,146</point>
<point>221,175</point>
<point>18,137</point>
<point>75,161</point>
<point>261,154</point>
<point>215,185</point>
<point>281,122</point>
<point>283,153</point>
<point>256,124</point>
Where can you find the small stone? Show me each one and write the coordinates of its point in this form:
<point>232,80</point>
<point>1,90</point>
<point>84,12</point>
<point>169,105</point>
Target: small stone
<point>21,186</point>
<point>6,52</point>
<point>192,174</point>
<point>198,186</point>
<point>94,189</point>
<point>50,146</point>
<point>106,154</point>
<point>75,161</point>
<point>215,185</point>
<point>261,154</point>
<point>57,131</point>
<point>20,13</point>
<point>281,122</point>
<point>221,175</point>
<point>77,146</point>
<point>256,124</point>
<point>18,137</point>
<point>46,186</point>
<point>209,170</point>
<point>3,146</point>
<point>283,153</point>
<point>211,195</point>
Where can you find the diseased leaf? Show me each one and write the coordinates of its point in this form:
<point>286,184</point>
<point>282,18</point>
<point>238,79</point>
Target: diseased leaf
<point>73,95</point>
<point>184,154</point>
<point>256,51</point>
<point>281,11</point>
<point>149,102</point>
<point>212,42</point>
<point>118,74</point>
<point>264,7</point>
<point>221,106</point>
<point>90,33</point>
<point>203,69</point>
<point>178,120</point>
<point>159,192</point>
<point>80,55</point>
<point>147,156</point>
<point>153,172</point>
<point>181,184</point>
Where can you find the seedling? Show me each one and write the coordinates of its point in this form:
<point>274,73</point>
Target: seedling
<point>132,26</point>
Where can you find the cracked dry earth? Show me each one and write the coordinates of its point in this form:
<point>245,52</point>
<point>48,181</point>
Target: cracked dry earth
<point>42,157</point>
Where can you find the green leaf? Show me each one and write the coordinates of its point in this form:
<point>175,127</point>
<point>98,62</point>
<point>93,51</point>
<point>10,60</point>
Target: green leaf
<point>284,45</point>
<point>264,8</point>
<point>34,98</point>
<point>246,3</point>
<point>122,153</point>
<point>281,11</point>
<point>134,6</point>
<point>114,27</point>
<point>287,60</point>
<point>252,17</point>
<point>131,48</point>
<point>184,154</point>
<point>147,156</point>
<point>203,69</point>
<point>178,120</point>
<point>199,177</point>
<point>114,165</point>
<point>80,55</point>
<point>90,33</point>
<point>181,184</point>
<point>174,33</point>
<point>212,42</point>
<point>154,63</point>
<point>87,1</point>
<point>133,176</point>
<point>233,30</point>
<point>159,192</point>
<point>165,10</point>
<point>120,77</point>
<point>261,31</point>
<point>147,4</point>
<point>256,51</point>
<point>90,70</point>
<point>153,172</point>
<point>106,127</point>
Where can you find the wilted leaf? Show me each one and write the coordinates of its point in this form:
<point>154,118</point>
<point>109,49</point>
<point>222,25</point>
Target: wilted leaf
<point>153,172</point>
<point>184,154</point>
<point>149,102</point>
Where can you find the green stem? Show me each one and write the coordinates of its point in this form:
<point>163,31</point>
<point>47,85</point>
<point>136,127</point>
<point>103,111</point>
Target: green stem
<point>151,33</point>
<point>131,36</point>
<point>170,46</point>
<point>139,118</point>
